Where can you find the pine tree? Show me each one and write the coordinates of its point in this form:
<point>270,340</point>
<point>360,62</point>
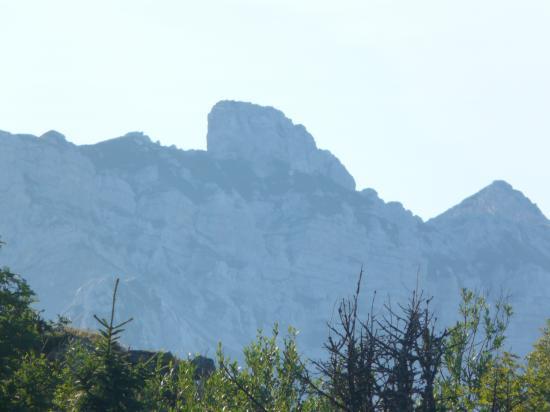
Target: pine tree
<point>21,331</point>
<point>104,379</point>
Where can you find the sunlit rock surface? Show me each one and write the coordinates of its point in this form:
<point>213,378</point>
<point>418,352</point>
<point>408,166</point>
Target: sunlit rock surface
<point>262,227</point>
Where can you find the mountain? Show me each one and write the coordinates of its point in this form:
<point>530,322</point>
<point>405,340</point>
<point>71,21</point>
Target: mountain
<point>262,227</point>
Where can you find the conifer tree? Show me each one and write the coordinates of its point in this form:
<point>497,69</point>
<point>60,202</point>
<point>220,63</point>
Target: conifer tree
<point>20,325</point>
<point>21,332</point>
<point>104,379</point>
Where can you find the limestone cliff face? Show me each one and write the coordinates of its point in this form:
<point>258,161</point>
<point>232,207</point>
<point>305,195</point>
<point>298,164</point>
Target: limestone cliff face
<point>265,138</point>
<point>262,227</point>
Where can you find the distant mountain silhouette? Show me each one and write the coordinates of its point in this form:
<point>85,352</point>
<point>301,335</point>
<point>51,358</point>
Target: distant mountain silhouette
<point>262,227</point>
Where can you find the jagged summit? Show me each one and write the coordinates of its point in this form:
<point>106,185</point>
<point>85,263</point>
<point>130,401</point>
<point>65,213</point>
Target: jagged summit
<point>137,137</point>
<point>53,136</point>
<point>127,144</point>
<point>265,137</point>
<point>208,249</point>
<point>133,137</point>
<point>499,200</point>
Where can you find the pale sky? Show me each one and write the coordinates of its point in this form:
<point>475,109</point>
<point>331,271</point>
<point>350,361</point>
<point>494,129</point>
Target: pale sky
<point>424,101</point>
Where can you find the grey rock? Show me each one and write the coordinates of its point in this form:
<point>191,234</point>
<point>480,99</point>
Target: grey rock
<point>262,227</point>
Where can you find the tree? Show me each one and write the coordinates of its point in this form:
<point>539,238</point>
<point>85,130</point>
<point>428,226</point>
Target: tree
<point>21,332</point>
<point>537,375</point>
<point>183,385</point>
<point>471,347</point>
<point>101,379</point>
<point>387,363</point>
<point>32,385</point>
<point>502,387</point>
<point>410,356</point>
<point>271,379</point>
<point>348,376</point>
<point>20,324</point>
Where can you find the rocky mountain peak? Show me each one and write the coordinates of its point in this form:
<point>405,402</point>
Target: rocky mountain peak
<point>208,251</point>
<point>500,200</point>
<point>265,137</point>
<point>54,137</point>
<point>137,137</point>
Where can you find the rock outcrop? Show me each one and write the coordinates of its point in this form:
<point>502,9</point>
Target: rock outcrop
<point>268,140</point>
<point>262,227</point>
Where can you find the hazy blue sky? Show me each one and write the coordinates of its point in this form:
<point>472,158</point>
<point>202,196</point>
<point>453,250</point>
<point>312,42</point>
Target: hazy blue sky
<point>424,101</point>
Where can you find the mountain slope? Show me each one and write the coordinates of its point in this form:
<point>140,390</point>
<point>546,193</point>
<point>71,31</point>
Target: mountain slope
<point>261,227</point>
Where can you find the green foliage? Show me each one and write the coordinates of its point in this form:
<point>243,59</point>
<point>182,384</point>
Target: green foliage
<point>101,379</point>
<point>502,387</point>
<point>471,347</point>
<point>537,375</point>
<point>32,385</point>
<point>160,389</point>
<point>20,336</point>
<point>271,379</point>
<point>176,387</point>
<point>20,325</point>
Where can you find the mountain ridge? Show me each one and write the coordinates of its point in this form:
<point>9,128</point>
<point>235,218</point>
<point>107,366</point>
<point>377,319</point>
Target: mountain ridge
<point>498,199</point>
<point>140,138</point>
<point>212,245</point>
